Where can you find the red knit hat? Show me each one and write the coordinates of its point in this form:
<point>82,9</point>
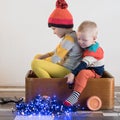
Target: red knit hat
<point>61,17</point>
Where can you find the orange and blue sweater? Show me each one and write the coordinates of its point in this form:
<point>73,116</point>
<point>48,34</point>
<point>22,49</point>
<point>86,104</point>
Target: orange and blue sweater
<point>92,59</point>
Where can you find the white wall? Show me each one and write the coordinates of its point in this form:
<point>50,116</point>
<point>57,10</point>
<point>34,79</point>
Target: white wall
<point>24,33</point>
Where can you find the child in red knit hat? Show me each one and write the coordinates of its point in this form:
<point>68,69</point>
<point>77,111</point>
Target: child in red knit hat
<point>67,55</point>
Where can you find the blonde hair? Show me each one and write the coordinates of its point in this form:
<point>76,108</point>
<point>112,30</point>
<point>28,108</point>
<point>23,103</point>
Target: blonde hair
<point>88,26</point>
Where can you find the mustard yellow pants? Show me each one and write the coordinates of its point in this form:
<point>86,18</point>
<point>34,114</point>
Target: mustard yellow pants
<point>46,69</point>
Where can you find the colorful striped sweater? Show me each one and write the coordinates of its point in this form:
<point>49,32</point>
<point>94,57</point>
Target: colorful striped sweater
<point>68,53</point>
<point>92,59</point>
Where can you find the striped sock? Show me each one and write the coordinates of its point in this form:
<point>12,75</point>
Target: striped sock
<point>72,99</point>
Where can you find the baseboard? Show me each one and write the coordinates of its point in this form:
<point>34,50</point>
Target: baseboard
<point>12,88</point>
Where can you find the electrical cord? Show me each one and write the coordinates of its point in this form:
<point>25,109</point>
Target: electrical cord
<point>5,100</point>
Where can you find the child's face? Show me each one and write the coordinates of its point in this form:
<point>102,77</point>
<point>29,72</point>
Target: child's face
<point>85,39</point>
<point>60,32</point>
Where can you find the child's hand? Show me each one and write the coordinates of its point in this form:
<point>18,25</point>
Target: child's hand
<point>37,56</point>
<point>40,56</point>
<point>70,78</point>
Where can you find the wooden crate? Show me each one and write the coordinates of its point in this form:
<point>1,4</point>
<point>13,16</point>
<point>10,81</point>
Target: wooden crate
<point>101,87</point>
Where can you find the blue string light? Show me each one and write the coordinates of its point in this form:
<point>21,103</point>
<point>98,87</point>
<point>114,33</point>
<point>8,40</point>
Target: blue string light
<point>43,106</point>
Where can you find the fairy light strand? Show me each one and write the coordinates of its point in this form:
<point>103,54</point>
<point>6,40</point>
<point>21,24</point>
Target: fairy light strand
<point>44,106</point>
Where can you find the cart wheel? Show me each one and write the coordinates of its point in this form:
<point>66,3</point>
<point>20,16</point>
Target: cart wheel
<point>94,103</point>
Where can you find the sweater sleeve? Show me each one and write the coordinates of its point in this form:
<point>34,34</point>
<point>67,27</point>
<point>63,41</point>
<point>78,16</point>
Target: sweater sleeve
<point>80,67</point>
